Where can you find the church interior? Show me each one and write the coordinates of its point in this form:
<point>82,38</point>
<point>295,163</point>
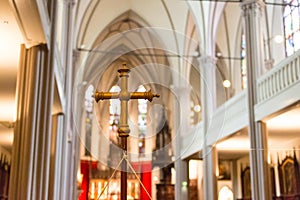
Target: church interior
<point>150,100</point>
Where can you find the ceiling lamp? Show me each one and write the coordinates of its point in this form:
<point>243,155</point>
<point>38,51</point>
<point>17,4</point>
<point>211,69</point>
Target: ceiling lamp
<point>226,83</point>
<point>197,108</point>
<point>278,39</point>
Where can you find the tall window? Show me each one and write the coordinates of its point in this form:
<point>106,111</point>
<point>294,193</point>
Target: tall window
<point>291,26</point>
<point>89,102</point>
<point>142,121</point>
<point>114,116</point>
<point>243,62</point>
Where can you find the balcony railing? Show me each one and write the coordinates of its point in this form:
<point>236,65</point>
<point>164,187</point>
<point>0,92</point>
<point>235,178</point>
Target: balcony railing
<point>282,76</point>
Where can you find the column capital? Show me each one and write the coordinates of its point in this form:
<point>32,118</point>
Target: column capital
<point>252,5</point>
<point>207,60</point>
<point>269,64</point>
<point>75,56</point>
<point>181,89</point>
<point>76,53</point>
<point>70,2</point>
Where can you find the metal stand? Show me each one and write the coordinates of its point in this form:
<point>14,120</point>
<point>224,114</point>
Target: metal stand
<point>124,96</point>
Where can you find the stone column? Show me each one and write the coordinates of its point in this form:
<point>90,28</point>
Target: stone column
<point>55,157</point>
<point>69,138</point>
<point>260,176</point>
<point>32,135</point>
<point>208,98</point>
<point>235,178</point>
<point>181,127</point>
<point>210,164</point>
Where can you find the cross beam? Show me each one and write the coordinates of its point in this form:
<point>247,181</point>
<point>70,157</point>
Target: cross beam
<point>123,130</point>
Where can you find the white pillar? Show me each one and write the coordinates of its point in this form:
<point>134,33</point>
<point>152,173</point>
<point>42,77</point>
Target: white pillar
<point>260,175</point>
<point>70,138</point>
<point>181,127</point>
<point>235,178</point>
<point>55,157</point>
<point>208,97</point>
<point>32,136</point>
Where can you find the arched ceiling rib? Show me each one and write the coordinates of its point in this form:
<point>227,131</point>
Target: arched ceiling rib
<point>217,10</point>
<point>106,10</point>
<point>206,15</point>
<point>191,47</point>
<point>130,21</point>
<point>154,13</point>
<point>228,37</point>
<point>82,16</point>
<point>102,19</point>
<point>200,12</point>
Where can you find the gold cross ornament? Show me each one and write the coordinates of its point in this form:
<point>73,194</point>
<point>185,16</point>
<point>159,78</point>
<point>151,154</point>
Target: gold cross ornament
<point>123,130</point>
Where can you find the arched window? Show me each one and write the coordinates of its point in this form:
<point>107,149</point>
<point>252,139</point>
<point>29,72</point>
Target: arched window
<point>243,62</point>
<point>225,193</point>
<point>114,116</point>
<point>89,102</point>
<point>142,121</point>
<point>291,26</point>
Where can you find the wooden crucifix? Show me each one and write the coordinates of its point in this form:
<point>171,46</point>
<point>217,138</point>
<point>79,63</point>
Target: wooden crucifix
<point>123,130</point>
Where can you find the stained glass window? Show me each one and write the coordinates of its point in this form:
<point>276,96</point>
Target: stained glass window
<point>142,121</point>
<point>291,16</point>
<point>114,116</point>
<point>243,62</point>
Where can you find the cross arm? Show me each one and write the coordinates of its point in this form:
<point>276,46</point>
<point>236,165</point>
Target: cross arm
<point>105,95</point>
<point>143,95</point>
